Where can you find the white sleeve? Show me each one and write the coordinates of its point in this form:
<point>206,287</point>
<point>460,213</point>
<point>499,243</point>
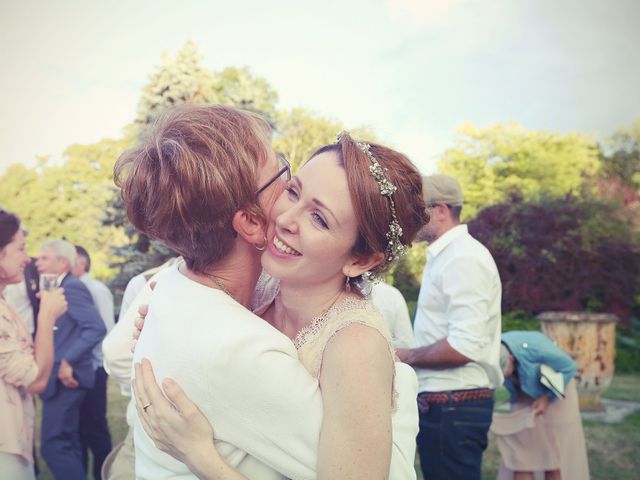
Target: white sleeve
<point>131,291</point>
<point>266,403</point>
<point>104,303</point>
<point>393,307</point>
<point>116,346</point>
<point>467,287</point>
<point>402,330</point>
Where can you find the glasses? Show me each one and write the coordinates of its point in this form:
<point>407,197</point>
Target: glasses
<point>285,168</point>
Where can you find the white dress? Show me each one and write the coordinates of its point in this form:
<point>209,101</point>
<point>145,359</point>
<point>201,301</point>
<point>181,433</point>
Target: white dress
<point>311,342</point>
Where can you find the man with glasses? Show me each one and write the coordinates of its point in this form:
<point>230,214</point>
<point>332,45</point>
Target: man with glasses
<point>457,330</point>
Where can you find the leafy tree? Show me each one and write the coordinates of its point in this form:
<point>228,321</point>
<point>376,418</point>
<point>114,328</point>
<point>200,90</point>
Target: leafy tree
<point>68,199</point>
<point>240,88</point>
<point>183,80</point>
<point>622,155</point>
<point>562,254</point>
<point>619,178</point>
<point>300,132</point>
<point>493,163</point>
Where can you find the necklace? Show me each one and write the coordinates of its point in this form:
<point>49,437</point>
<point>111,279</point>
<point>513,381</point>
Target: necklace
<point>219,283</point>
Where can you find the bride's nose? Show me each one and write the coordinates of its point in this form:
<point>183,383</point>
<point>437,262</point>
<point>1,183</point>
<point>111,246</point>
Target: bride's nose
<point>288,220</point>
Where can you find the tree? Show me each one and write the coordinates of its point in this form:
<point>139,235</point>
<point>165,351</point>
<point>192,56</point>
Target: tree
<point>68,200</point>
<point>619,178</point>
<point>621,157</point>
<point>300,132</point>
<point>494,163</point>
<point>562,254</point>
<point>177,81</point>
<point>183,80</point>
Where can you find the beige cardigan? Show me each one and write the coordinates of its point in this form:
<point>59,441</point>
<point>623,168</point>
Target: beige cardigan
<point>18,369</point>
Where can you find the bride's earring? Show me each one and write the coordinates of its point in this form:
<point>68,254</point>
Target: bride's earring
<point>347,284</point>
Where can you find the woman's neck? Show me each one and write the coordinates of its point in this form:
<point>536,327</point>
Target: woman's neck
<point>236,274</point>
<point>297,306</point>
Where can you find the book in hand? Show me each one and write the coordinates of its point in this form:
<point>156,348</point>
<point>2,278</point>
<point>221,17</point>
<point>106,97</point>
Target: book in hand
<point>553,380</point>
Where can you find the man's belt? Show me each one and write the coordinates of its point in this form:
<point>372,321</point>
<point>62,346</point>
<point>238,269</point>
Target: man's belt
<point>452,396</point>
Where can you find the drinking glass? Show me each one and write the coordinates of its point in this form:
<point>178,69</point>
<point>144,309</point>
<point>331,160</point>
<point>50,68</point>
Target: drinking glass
<point>48,281</point>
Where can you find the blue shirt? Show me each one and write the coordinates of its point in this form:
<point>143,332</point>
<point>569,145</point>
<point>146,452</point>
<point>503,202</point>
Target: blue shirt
<point>532,349</point>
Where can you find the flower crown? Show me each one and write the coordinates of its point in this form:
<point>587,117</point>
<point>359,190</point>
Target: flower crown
<point>395,248</point>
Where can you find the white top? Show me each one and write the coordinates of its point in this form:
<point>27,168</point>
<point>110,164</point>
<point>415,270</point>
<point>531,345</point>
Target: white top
<point>17,297</point>
<point>460,300</point>
<point>389,300</point>
<point>103,300</point>
<point>242,373</point>
<point>131,291</point>
<point>118,356</point>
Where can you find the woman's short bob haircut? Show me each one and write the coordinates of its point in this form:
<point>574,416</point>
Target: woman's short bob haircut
<point>194,170</point>
<point>373,210</point>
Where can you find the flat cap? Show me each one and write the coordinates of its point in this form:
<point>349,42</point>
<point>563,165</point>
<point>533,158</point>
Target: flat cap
<point>441,189</point>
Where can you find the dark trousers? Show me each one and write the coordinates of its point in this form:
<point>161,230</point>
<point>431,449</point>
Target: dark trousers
<point>452,438</point>
<point>59,436</point>
<point>94,428</point>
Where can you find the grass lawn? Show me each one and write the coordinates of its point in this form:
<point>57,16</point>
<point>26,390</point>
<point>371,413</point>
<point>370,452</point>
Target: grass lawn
<point>612,449</point>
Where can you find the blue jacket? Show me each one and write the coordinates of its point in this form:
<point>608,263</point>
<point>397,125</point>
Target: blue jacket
<point>532,349</point>
<point>79,329</point>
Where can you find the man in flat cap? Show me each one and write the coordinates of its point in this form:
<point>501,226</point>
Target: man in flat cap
<point>457,330</point>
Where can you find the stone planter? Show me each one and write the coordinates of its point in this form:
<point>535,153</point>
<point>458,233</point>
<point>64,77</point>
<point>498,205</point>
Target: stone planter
<point>590,339</point>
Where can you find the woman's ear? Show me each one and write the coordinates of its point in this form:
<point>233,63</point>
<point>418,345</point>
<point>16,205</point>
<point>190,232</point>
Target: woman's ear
<point>251,225</point>
<point>358,265</point>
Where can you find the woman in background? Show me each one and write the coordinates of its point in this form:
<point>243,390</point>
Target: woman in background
<point>554,444</point>
<point>25,365</point>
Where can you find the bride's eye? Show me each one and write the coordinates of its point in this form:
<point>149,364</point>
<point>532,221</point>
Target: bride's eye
<point>317,218</point>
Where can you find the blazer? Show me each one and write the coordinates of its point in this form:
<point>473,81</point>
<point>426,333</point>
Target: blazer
<point>531,350</point>
<point>32,279</point>
<point>79,329</point>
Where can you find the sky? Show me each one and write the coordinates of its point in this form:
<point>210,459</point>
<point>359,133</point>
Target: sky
<point>412,70</point>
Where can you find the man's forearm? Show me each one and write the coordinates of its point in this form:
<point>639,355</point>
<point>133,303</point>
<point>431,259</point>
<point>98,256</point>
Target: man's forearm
<point>436,355</point>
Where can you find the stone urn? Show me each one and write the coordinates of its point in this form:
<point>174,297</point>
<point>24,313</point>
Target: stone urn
<point>590,339</point>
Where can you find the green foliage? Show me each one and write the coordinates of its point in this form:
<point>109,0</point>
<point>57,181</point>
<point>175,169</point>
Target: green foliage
<point>67,200</point>
<point>501,161</point>
<point>406,276</point>
<point>622,155</point>
<point>519,320</point>
<point>562,254</point>
<point>177,81</point>
<point>628,348</point>
<point>299,133</point>
<point>240,88</point>
<point>183,80</point>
